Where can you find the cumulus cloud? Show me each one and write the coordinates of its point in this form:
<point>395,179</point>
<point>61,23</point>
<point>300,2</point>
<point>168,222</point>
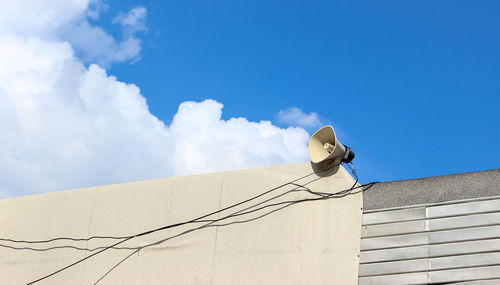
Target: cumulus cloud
<point>25,18</point>
<point>68,20</point>
<point>65,125</point>
<point>295,116</point>
<point>94,45</point>
<point>204,142</point>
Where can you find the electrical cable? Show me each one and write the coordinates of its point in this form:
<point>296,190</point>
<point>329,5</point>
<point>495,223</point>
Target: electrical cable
<point>169,226</point>
<point>215,212</point>
<point>137,249</point>
<point>201,219</point>
<point>287,203</point>
<point>332,195</point>
<point>197,221</point>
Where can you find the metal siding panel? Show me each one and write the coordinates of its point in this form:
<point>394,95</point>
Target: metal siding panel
<point>394,254</point>
<point>464,247</point>
<point>465,274</point>
<point>464,234</point>
<point>409,278</point>
<point>465,260</point>
<point>463,208</point>
<point>393,228</point>
<point>448,243</point>
<point>464,221</point>
<point>395,241</point>
<point>404,266</point>
<point>481,282</point>
<point>394,216</point>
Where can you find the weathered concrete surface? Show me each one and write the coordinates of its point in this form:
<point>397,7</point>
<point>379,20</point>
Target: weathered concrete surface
<point>308,243</point>
<point>433,189</point>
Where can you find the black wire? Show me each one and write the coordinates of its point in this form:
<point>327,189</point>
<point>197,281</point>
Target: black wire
<point>115,266</point>
<point>197,221</point>
<point>62,238</point>
<point>168,226</point>
<point>333,195</point>
<point>239,213</point>
<point>290,203</point>
<point>212,213</point>
<point>353,171</point>
<point>339,194</point>
<point>287,204</point>
<point>136,250</point>
<point>306,189</point>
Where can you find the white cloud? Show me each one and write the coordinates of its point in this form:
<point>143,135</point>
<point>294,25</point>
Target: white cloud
<point>29,18</point>
<point>132,21</point>
<point>67,20</point>
<point>64,125</point>
<point>95,8</point>
<point>295,116</point>
<point>203,142</point>
<point>95,45</point>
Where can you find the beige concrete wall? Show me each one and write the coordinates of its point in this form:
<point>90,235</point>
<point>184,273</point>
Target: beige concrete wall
<point>308,243</point>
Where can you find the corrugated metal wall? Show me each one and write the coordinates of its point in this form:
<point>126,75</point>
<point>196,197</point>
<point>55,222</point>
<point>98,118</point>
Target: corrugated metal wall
<point>440,243</point>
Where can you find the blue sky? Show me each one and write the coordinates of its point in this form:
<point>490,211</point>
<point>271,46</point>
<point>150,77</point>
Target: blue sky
<point>412,86</point>
<point>96,92</point>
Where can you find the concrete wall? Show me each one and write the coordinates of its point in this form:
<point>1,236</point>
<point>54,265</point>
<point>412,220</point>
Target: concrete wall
<point>433,189</point>
<point>308,243</point>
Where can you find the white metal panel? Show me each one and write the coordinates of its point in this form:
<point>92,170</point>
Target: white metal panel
<point>467,208</point>
<point>464,221</point>
<point>394,241</point>
<point>393,228</point>
<point>394,216</point>
<point>465,274</point>
<point>452,243</point>
<point>482,282</point>
<point>468,247</point>
<point>409,278</point>
<point>465,234</point>
<point>394,254</point>
<point>464,260</point>
<point>404,266</point>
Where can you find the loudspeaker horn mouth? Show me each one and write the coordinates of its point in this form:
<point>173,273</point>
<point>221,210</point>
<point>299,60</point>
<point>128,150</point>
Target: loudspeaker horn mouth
<point>324,145</point>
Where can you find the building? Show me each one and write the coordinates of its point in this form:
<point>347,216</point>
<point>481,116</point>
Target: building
<point>278,225</point>
<point>436,230</point>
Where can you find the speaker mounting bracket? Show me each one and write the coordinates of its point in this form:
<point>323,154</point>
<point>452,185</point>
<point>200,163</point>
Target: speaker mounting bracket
<point>348,155</point>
